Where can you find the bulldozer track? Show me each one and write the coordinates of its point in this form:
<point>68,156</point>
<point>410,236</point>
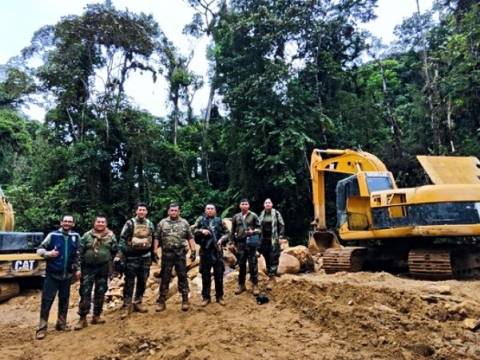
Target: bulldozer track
<point>348,259</point>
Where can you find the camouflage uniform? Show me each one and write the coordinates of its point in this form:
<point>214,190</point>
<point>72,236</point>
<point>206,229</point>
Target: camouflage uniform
<point>136,241</point>
<point>211,254</point>
<point>244,252</point>
<point>96,252</point>
<point>172,236</point>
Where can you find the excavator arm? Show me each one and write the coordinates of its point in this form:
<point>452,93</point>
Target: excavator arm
<point>336,161</point>
<point>7,219</point>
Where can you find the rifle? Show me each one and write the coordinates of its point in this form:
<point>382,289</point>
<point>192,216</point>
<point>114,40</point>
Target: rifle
<point>214,237</point>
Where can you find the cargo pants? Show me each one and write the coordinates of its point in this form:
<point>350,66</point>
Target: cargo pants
<point>93,275</point>
<point>247,253</point>
<point>211,258</point>
<point>137,269</point>
<point>271,254</point>
<point>173,257</point>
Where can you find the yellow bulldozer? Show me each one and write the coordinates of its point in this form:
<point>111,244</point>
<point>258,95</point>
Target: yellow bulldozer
<point>433,230</point>
<point>18,258</point>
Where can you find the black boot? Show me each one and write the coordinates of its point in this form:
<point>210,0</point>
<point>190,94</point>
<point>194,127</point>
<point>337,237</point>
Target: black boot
<point>185,303</point>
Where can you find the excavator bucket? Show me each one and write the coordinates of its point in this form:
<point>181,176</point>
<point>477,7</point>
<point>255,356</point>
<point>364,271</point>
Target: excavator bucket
<point>451,169</point>
<point>319,241</point>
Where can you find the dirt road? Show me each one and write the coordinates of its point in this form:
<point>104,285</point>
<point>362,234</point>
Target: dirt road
<point>312,316</point>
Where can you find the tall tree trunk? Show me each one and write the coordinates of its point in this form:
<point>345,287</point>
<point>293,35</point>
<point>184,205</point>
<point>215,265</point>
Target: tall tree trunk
<point>208,113</point>
<point>429,91</point>
<point>394,127</point>
<point>450,123</point>
<point>175,118</point>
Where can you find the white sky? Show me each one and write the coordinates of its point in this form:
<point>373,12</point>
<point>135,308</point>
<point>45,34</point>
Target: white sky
<point>19,19</point>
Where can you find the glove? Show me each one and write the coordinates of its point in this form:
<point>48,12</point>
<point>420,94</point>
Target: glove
<point>193,256</point>
<point>118,266</point>
<point>76,276</point>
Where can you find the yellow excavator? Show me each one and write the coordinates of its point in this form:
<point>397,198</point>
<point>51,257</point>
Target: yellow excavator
<point>434,230</point>
<point>18,258</point>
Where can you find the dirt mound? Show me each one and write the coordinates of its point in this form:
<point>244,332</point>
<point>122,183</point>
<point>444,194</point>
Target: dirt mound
<point>366,319</point>
<point>312,316</point>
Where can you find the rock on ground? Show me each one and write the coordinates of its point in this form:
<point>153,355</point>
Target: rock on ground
<point>303,256</point>
<point>288,264</point>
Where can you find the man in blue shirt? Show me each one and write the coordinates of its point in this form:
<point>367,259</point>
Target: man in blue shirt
<point>60,250</point>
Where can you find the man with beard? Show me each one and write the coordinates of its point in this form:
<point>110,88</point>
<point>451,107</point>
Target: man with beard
<point>60,250</point>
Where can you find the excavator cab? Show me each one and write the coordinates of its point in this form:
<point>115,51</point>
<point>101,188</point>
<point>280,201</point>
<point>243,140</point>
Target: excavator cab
<point>345,189</point>
<point>353,198</point>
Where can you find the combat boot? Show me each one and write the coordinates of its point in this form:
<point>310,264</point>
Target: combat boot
<point>160,306</point>
<point>220,301</point>
<point>126,311</point>
<point>62,327</point>
<point>240,289</point>
<point>40,334</point>
<point>255,290</point>
<point>61,324</point>
<point>271,282</point>
<point>205,302</point>
<point>185,303</point>
<point>82,323</point>
<point>97,320</point>
<point>137,307</point>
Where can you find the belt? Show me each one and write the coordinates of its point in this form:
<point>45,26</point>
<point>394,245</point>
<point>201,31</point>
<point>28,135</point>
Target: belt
<point>95,264</point>
<point>146,255</point>
<point>173,248</point>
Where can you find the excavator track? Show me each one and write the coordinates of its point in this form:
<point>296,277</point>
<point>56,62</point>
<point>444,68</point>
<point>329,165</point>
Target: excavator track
<point>442,264</point>
<point>348,259</point>
<point>430,264</point>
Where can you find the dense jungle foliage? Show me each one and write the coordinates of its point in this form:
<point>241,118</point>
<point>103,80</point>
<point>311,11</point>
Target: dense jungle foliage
<point>286,76</point>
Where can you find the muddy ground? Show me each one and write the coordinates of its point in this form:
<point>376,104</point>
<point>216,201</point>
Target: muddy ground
<point>309,316</point>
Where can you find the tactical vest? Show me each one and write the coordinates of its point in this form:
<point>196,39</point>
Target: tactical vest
<point>174,233</point>
<point>142,236</point>
<point>67,252</point>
